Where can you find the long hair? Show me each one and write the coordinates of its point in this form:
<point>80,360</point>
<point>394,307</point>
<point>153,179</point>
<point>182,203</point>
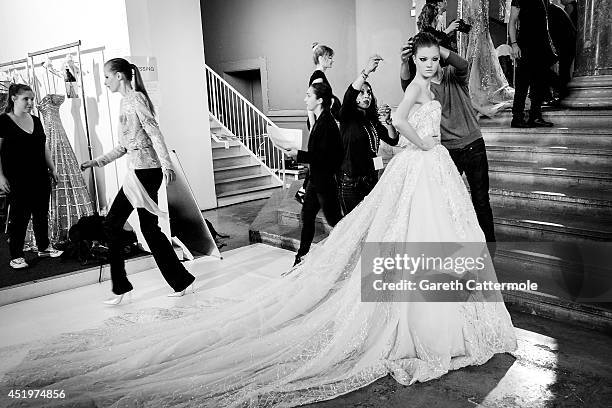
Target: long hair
<point>429,12</point>
<point>319,50</point>
<point>130,71</point>
<point>323,91</point>
<point>14,90</point>
<point>371,112</point>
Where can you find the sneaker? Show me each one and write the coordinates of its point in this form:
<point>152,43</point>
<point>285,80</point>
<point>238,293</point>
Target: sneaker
<point>18,263</point>
<point>50,252</point>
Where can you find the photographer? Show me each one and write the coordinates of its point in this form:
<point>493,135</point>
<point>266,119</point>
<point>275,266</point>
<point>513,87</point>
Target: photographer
<point>459,129</point>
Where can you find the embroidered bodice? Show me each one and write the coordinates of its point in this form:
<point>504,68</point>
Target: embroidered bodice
<point>139,136</point>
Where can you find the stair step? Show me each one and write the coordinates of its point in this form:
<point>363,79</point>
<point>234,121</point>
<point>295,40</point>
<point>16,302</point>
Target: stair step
<point>228,161</point>
<point>568,279</point>
<point>554,156</point>
<point>559,199</point>
<point>238,183</point>
<point>550,137</point>
<point>291,217</point>
<point>533,225</point>
<point>246,194</point>
<point>591,118</point>
<point>501,172</point>
<point>588,316</point>
<point>222,144</point>
<point>219,152</point>
<point>241,170</point>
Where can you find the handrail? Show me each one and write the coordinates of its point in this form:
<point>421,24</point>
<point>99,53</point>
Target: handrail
<point>228,85</point>
<point>245,121</point>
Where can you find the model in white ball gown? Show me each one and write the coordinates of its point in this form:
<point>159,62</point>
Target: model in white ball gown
<point>305,337</point>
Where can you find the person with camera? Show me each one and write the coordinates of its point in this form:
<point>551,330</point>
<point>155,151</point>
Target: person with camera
<point>533,53</point>
<point>459,129</point>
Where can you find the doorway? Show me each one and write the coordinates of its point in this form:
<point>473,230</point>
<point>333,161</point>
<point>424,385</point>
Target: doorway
<point>248,83</point>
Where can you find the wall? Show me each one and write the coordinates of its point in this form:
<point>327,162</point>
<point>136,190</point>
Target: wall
<point>282,32</point>
<point>41,24</point>
<point>382,28</point>
<point>172,32</point>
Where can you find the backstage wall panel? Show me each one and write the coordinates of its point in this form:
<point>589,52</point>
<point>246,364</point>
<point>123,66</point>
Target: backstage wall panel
<point>172,32</point>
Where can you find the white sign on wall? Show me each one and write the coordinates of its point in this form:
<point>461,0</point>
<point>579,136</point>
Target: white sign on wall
<point>147,66</point>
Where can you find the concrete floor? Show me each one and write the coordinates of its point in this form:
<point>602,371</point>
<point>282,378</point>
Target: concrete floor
<point>556,365</point>
<point>234,220</point>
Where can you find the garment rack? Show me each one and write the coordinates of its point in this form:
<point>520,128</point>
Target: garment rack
<point>13,64</point>
<point>77,45</point>
<point>16,62</point>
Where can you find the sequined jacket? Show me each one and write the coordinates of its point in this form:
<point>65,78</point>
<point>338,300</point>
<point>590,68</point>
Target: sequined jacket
<point>139,136</point>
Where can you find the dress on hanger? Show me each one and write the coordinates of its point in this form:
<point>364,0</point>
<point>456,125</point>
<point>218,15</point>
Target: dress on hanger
<point>3,100</point>
<point>70,199</point>
<point>489,89</point>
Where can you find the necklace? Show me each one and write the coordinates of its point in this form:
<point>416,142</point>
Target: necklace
<point>372,137</point>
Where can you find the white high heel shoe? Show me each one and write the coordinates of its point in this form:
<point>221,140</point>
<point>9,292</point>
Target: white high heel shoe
<point>183,292</point>
<point>116,300</point>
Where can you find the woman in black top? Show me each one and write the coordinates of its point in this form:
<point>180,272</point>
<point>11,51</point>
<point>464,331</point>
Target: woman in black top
<point>325,157</point>
<point>362,126</point>
<point>323,58</point>
<point>25,164</point>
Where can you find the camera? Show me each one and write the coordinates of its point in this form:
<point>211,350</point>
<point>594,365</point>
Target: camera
<point>463,26</point>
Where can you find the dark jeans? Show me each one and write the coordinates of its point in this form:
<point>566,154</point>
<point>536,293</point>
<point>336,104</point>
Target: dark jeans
<point>27,201</point>
<point>532,76</point>
<point>171,268</point>
<point>315,199</point>
<point>354,189</point>
<point>472,159</point>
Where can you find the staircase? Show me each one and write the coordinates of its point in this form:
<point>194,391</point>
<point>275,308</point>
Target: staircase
<point>551,194</point>
<point>247,166</point>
